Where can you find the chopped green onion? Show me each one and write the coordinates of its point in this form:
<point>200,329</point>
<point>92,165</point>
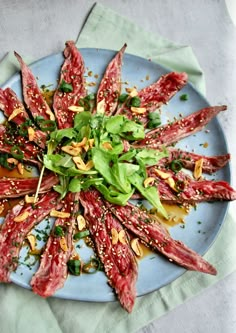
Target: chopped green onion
<point>17,153</point>
<point>92,266</point>
<point>65,87</point>
<point>89,97</point>
<point>176,165</point>
<point>4,163</point>
<point>154,120</point>
<point>48,125</point>
<point>58,231</point>
<point>122,98</point>
<point>184,97</point>
<point>74,267</point>
<point>23,130</point>
<point>135,101</point>
<point>81,234</point>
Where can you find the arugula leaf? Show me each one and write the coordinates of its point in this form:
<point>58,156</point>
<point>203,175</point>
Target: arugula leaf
<point>125,128</point>
<point>74,185</point>
<point>62,187</point>
<point>114,196</point>
<point>150,193</point>
<point>82,119</point>
<point>57,136</point>
<point>150,156</point>
<point>128,156</point>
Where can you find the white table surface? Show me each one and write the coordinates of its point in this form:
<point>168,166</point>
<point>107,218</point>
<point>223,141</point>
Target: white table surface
<point>39,28</point>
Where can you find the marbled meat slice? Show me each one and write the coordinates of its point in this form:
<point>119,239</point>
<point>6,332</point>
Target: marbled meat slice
<point>154,96</point>
<point>210,164</point>
<point>72,72</point>
<point>181,188</point>
<point>117,257</point>
<point>53,271</point>
<point>153,234</point>
<point>10,143</point>
<point>33,96</point>
<point>17,224</point>
<point>15,111</point>
<point>110,86</point>
<point>173,132</point>
<point>17,187</point>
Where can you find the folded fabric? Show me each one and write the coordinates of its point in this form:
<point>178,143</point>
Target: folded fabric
<point>21,310</point>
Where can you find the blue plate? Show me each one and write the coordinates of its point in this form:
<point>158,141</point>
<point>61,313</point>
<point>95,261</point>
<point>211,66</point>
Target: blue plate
<point>154,270</point>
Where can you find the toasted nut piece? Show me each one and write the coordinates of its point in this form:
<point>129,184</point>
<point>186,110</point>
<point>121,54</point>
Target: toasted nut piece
<point>107,145</point>
<point>81,165</point>
<point>51,115</point>
<point>79,162</point>
<point>12,160</point>
<point>20,168</point>
<point>31,133</point>
<point>135,245</point>
<point>22,217</point>
<point>101,106</point>
<point>56,213</point>
<point>32,241</point>
<point>132,91</point>
<point>1,208</point>
<point>114,236</point>
<point>122,236</point>
<point>163,175</point>
<point>91,143</point>
<point>80,144</point>
<point>81,222</point>
<point>197,173</point>
<point>138,110</point>
<point>73,151</point>
<point>148,181</point>
<point>89,165</point>
<point>29,199</point>
<point>75,108</point>
<point>36,251</point>
<point>63,244</point>
<point>170,181</point>
<point>15,113</point>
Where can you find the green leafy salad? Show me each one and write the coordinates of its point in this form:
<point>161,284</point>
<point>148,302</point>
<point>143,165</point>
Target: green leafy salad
<point>94,153</point>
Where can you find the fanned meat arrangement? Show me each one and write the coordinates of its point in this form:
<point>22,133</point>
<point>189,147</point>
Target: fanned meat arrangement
<point>93,153</point>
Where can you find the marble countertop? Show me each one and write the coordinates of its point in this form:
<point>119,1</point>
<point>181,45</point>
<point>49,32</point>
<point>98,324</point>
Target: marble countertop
<point>39,28</point>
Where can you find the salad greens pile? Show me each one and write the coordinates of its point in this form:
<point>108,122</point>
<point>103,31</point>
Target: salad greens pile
<point>94,153</point>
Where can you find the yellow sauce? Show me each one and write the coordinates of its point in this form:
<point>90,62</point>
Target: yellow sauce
<point>176,215</point>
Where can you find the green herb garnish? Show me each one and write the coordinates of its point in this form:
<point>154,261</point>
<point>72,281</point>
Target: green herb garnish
<point>65,87</point>
<point>74,267</point>
<point>184,97</point>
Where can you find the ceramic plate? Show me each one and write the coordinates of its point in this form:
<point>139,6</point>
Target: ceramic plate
<point>202,225</point>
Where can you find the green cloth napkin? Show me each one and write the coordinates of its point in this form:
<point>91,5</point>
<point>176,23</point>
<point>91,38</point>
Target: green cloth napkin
<point>21,310</point>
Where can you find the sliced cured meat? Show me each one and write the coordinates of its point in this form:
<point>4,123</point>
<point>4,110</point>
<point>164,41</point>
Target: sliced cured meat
<point>210,164</point>
<point>173,132</point>
<point>180,188</point>
<point>10,143</point>
<point>53,271</point>
<point>33,97</point>
<point>110,86</point>
<point>153,234</point>
<point>15,111</point>
<point>72,74</point>
<point>17,187</point>
<point>154,96</point>
<point>17,224</point>
<point>117,257</point>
